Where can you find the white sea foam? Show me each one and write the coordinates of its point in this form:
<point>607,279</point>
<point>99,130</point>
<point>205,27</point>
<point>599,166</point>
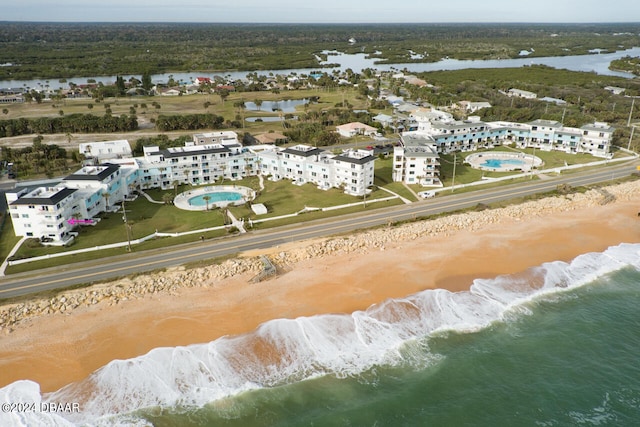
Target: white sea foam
<point>284,350</point>
<point>22,406</point>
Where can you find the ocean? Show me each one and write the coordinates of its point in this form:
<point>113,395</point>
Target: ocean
<point>556,345</point>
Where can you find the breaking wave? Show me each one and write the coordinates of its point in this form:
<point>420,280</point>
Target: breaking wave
<point>288,350</point>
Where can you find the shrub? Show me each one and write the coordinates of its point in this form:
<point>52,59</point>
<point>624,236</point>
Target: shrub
<point>32,243</point>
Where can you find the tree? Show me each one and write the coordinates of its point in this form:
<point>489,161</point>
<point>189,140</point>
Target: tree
<point>258,103</point>
<point>120,85</point>
<point>222,167</point>
<point>224,94</point>
<point>206,199</point>
<point>146,81</point>
<point>106,196</point>
<point>167,198</point>
<point>175,186</point>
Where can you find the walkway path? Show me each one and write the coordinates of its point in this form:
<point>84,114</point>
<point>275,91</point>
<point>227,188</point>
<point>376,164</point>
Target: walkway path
<point>405,201</point>
<point>148,197</point>
<point>5,263</point>
<point>239,224</point>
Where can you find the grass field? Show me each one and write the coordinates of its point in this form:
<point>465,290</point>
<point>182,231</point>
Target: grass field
<point>186,104</point>
<point>281,198</point>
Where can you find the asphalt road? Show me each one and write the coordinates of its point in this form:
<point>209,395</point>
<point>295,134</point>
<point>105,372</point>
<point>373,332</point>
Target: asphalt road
<point>87,272</point>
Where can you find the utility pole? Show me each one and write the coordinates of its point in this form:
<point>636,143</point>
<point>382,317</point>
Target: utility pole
<point>631,137</point>
<point>453,179</point>
<point>633,100</point>
<point>533,159</point>
<point>127,227</point>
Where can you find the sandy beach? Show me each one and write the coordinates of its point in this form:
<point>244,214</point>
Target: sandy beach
<point>58,349</point>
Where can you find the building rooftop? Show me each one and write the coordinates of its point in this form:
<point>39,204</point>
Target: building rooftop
<point>303,150</point>
<point>44,196</point>
<point>547,123</point>
<point>192,150</point>
<point>354,157</point>
<point>419,146</point>
<point>93,173</point>
<point>598,126</point>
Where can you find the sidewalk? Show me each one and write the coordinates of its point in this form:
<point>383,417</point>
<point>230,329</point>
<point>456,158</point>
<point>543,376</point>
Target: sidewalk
<point>5,263</point>
<point>240,223</point>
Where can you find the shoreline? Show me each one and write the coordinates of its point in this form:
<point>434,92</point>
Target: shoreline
<point>339,275</point>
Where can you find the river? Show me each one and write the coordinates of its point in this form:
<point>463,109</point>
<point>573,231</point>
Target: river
<point>597,63</point>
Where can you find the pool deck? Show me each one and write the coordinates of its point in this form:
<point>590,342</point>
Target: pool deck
<point>181,201</point>
<point>528,161</point>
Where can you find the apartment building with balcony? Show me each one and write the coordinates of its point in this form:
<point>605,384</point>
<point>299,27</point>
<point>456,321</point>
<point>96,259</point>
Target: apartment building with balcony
<point>547,135</point>
<point>103,187</point>
<point>416,161</point>
<point>352,170</point>
<point>43,212</point>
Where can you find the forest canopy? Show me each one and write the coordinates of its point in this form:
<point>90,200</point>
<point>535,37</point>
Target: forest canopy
<point>65,50</point>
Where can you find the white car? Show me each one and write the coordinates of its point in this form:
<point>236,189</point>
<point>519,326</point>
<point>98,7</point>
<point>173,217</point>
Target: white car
<point>427,194</point>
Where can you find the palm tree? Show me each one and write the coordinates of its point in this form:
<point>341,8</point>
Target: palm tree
<point>167,198</point>
<point>175,187</point>
<point>225,216</point>
<point>106,196</point>
<point>206,199</point>
<point>223,167</point>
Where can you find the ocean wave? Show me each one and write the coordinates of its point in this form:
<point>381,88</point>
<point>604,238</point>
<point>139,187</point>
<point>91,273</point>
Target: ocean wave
<point>288,350</point>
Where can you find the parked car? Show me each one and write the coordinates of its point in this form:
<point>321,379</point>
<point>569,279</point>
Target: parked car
<point>427,194</point>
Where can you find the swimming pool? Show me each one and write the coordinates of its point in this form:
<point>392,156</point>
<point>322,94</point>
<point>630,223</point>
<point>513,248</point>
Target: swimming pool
<point>215,197</point>
<point>218,196</point>
<point>502,163</point>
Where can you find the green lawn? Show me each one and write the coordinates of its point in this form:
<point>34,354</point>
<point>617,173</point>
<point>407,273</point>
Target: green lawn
<point>465,174</point>
<point>280,198</point>
<point>7,238</point>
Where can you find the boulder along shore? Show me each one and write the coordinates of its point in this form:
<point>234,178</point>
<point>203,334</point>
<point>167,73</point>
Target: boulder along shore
<point>172,280</point>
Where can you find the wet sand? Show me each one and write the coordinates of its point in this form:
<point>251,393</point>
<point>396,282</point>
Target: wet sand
<point>58,349</point>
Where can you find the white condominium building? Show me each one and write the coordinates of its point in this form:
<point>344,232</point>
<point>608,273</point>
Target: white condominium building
<point>43,212</point>
<point>596,139</point>
<point>416,161</point>
<point>223,137</point>
<point>210,157</point>
<point>98,152</point>
<point>472,134</point>
<point>102,187</point>
<point>438,133</point>
<point>351,170</point>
